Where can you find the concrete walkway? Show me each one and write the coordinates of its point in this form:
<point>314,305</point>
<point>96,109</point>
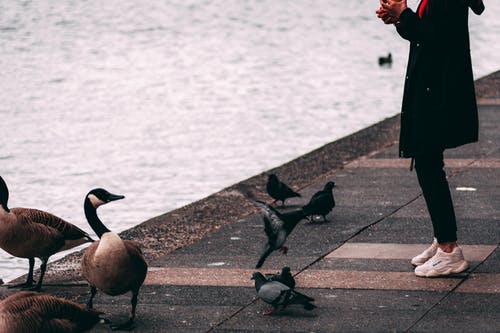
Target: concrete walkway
<point>356,265</point>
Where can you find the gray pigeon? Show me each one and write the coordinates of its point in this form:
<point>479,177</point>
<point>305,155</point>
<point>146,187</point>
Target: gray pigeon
<point>277,227</point>
<point>279,295</point>
<point>285,277</point>
<point>278,190</point>
<point>321,203</point>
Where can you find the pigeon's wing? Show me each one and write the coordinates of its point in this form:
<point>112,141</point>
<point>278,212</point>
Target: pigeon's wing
<point>299,298</point>
<point>272,219</point>
<point>275,239</point>
<point>292,218</point>
<point>316,196</point>
<point>312,206</point>
<point>287,191</point>
<point>271,292</point>
<point>265,253</point>
<point>271,230</point>
<point>280,238</point>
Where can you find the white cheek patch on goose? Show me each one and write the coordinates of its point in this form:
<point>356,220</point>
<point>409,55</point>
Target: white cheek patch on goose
<point>96,202</point>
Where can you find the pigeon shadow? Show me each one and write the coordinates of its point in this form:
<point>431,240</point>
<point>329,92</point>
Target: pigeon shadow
<point>318,221</point>
<point>294,313</point>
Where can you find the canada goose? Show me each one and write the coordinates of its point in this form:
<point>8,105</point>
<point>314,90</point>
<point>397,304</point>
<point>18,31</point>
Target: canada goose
<point>30,233</point>
<point>29,311</point>
<point>112,265</point>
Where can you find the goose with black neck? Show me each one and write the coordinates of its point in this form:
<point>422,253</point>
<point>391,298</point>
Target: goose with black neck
<point>112,265</point>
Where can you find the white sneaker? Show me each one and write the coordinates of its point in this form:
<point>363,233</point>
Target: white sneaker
<point>426,255</point>
<point>443,264</point>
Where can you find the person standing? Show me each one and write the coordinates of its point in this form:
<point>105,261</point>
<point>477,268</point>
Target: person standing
<point>438,112</point>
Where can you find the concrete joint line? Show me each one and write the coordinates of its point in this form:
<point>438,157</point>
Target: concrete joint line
<point>466,277</point>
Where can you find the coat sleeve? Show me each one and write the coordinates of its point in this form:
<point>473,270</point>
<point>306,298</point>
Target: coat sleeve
<point>433,28</point>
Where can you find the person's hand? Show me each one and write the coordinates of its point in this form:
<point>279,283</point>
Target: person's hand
<point>385,17</point>
<point>392,9</point>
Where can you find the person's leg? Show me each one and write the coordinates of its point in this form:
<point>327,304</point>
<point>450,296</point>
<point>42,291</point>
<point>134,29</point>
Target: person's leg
<point>436,191</point>
<point>448,257</point>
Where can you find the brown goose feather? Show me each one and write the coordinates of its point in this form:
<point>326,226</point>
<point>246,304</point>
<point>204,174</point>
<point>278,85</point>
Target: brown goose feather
<point>31,312</point>
<point>115,273</point>
<point>34,233</point>
<point>68,230</point>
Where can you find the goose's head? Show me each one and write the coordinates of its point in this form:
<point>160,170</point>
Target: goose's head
<point>100,196</point>
<point>4,194</point>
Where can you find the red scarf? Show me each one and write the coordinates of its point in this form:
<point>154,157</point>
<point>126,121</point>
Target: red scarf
<point>421,9</point>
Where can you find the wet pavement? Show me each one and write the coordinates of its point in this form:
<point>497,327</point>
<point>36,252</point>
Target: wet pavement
<point>356,265</point>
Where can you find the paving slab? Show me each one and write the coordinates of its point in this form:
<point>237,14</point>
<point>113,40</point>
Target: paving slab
<point>356,265</point>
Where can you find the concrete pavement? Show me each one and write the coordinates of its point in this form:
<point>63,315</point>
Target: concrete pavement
<point>356,265</point>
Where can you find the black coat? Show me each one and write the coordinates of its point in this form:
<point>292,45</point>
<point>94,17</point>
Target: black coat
<point>439,108</point>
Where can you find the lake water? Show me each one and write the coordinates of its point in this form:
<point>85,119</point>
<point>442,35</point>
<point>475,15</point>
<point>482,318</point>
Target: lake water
<point>169,101</point>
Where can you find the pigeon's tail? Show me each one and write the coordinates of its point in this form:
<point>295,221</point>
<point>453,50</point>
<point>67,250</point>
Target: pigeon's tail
<point>308,210</point>
<point>300,298</point>
<point>309,306</point>
<point>267,251</point>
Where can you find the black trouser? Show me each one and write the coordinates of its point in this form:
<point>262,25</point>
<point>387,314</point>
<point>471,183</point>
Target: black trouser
<point>432,180</point>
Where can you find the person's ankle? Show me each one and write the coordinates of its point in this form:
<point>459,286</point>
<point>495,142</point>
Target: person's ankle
<point>447,247</point>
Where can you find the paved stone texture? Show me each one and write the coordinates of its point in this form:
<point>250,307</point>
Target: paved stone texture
<point>355,265</point>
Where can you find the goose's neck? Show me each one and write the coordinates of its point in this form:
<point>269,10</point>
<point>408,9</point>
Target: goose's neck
<point>5,208</point>
<point>94,221</point>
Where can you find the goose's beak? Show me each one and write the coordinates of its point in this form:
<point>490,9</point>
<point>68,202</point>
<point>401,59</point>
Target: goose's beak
<point>114,197</point>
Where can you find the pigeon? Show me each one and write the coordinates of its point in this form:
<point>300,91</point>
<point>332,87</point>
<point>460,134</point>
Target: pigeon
<point>278,190</point>
<point>279,295</point>
<point>277,227</point>
<point>321,203</point>
<point>285,277</point>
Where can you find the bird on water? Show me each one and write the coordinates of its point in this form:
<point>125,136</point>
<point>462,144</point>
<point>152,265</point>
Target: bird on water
<point>32,233</point>
<point>385,60</point>
<point>112,265</point>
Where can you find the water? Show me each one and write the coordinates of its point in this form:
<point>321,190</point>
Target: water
<point>167,102</point>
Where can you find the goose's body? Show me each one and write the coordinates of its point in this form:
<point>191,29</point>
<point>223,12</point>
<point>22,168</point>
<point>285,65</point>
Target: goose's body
<point>30,312</point>
<point>112,265</point>
<point>108,274</point>
<point>32,233</point>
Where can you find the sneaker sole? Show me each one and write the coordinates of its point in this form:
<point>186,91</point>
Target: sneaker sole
<point>435,273</point>
<point>419,263</point>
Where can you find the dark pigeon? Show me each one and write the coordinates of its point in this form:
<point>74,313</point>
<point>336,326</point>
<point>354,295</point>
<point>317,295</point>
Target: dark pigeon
<point>277,227</point>
<point>278,190</point>
<point>285,277</point>
<point>279,295</point>
<point>321,203</point>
